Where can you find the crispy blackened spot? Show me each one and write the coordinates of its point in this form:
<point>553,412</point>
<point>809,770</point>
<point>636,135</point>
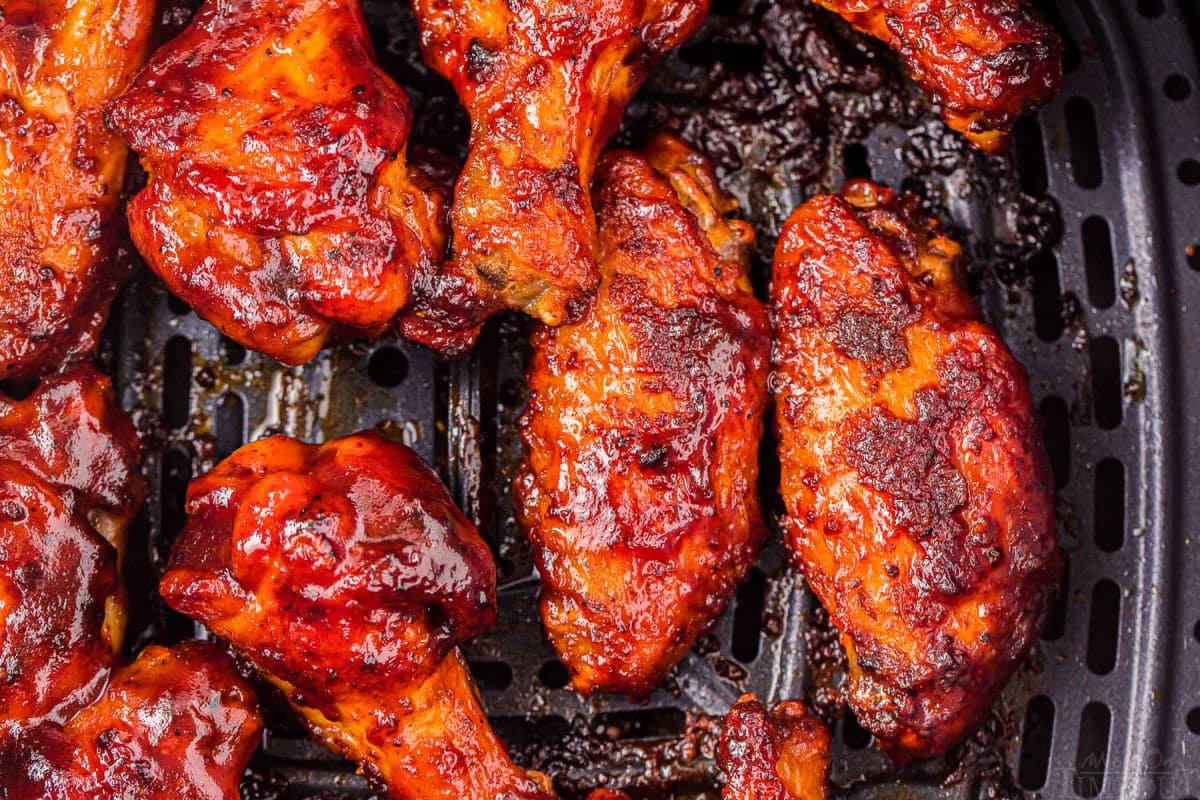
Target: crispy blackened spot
<point>688,347</point>
<point>652,456</point>
<point>907,461</point>
<point>867,336</point>
<point>971,381</point>
<point>564,182</point>
<point>902,458</point>
<point>481,62</point>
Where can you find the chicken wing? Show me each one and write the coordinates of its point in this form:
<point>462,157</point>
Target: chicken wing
<point>62,174</point>
<point>347,576</point>
<point>919,500</point>
<point>70,484</point>
<point>638,486</point>
<point>985,62</point>
<point>545,83</point>
<point>280,204</point>
<point>781,754</point>
<point>177,724</point>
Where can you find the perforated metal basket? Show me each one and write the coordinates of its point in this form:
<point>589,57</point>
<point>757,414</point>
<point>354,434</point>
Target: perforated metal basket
<point>1085,249</point>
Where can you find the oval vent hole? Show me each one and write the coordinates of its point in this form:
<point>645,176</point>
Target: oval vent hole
<point>1037,735</point>
<point>388,367</point>
<point>1056,624</point>
<point>1099,263</point>
<point>230,425</point>
<point>1091,756</point>
<point>1030,156</point>
<point>1057,433</point>
<point>177,382</point>
<point>747,617</point>
<point>174,475</point>
<point>1085,145</point>
<point>1109,505</point>
<point>1106,381</point>
<point>854,735</point>
<point>856,161</point>
<point>1047,296</point>
<point>494,675</point>
<point>1104,625</point>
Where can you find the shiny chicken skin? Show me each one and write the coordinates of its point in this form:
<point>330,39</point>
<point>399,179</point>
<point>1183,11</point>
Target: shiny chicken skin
<point>780,754</point>
<point>280,204</point>
<point>919,500</point>
<point>70,484</point>
<point>638,486</point>
<point>177,724</point>
<point>62,174</point>
<point>545,84</point>
<point>345,573</point>
<point>985,62</point>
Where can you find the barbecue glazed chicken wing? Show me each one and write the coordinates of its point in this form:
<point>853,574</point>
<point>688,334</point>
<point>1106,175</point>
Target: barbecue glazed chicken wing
<point>638,486</point>
<point>72,728</point>
<point>280,204</point>
<point>781,754</point>
<point>62,173</point>
<point>347,576</point>
<point>70,484</point>
<point>177,724</point>
<point>919,500</point>
<point>986,62</point>
<point>545,84</point>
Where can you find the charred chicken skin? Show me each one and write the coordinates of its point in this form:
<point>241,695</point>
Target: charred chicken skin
<point>919,500</point>
<point>781,754</point>
<point>177,724</point>
<point>280,204</point>
<point>546,84</point>
<point>986,62</point>
<point>70,484</point>
<point>345,573</point>
<point>638,484</point>
<point>60,62</point>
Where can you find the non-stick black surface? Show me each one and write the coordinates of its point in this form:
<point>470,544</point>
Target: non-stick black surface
<point>1085,253</point>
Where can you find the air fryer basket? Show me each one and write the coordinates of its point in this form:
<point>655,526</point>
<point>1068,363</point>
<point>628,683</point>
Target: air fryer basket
<point>1085,251</point>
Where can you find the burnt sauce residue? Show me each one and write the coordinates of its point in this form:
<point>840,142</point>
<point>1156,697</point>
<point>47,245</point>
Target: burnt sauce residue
<point>787,101</point>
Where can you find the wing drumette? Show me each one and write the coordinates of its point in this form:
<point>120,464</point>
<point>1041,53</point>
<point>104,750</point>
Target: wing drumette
<point>638,484</point>
<point>347,576</point>
<point>781,754</point>
<point>919,500</point>
<point>60,62</point>
<point>280,204</point>
<point>177,724</point>
<point>69,486</point>
<point>545,83</point>
<point>986,62</point>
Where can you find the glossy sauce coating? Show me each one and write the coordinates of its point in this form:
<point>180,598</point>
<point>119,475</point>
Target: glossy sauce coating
<point>345,573</point>
<point>986,62</point>
<point>280,204</point>
<point>70,483</point>
<point>545,83</point>
<point>638,486</point>
<point>919,499</point>
<point>61,174</point>
<point>177,724</point>
<point>781,754</point>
